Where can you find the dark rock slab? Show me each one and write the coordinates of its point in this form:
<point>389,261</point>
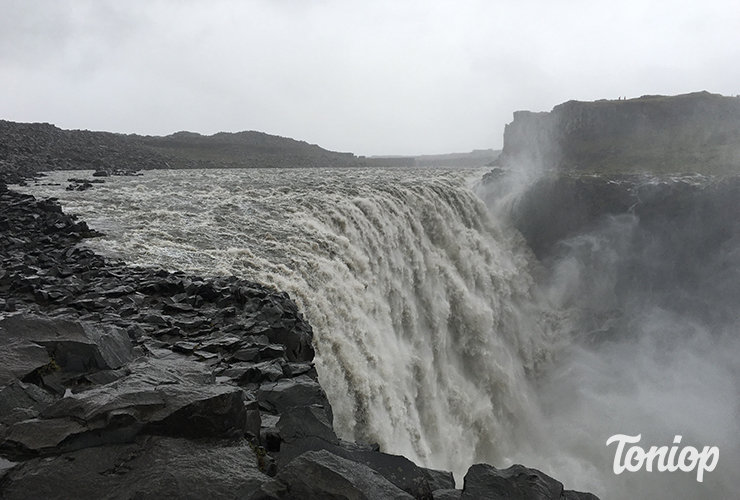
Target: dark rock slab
<point>446,494</point>
<point>295,369</point>
<point>321,475</point>
<point>253,419</point>
<point>74,345</point>
<point>578,495</point>
<point>247,354</point>
<point>221,344</point>
<point>272,351</point>
<point>485,482</point>
<point>398,470</point>
<point>19,358</point>
<point>297,342</point>
<point>298,422</point>
<point>215,412</point>
<point>20,401</point>
<point>265,371</point>
<point>151,468</point>
<point>159,396</point>
<point>298,391</point>
<point>39,435</point>
<point>438,479</point>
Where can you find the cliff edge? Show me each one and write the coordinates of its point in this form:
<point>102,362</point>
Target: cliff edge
<point>697,132</point>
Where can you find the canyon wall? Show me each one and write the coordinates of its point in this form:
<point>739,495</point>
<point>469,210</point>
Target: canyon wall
<point>697,132</point>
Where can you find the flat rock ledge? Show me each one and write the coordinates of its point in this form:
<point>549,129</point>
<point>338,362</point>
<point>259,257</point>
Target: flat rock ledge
<point>119,382</point>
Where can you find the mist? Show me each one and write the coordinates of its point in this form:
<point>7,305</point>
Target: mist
<point>647,299</point>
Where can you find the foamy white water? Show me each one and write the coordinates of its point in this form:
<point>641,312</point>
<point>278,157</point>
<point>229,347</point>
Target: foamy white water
<point>417,297</point>
<point>432,337</point>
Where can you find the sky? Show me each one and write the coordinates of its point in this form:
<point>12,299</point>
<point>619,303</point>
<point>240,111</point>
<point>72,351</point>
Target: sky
<point>373,77</point>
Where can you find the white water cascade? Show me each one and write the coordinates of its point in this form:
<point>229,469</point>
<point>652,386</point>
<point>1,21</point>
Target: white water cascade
<point>417,297</point>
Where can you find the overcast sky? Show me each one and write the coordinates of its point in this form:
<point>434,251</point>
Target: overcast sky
<point>370,77</point>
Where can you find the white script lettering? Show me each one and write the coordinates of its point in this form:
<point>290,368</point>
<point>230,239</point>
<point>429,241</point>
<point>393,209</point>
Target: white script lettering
<point>688,459</point>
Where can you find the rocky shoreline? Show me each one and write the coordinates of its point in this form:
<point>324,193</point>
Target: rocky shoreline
<point>124,382</point>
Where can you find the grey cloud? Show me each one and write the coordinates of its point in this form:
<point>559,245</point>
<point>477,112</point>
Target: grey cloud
<point>368,77</point>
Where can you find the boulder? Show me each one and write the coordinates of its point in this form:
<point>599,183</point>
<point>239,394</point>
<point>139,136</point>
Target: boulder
<point>297,342</point>
<point>297,391</point>
<point>158,396</point>
<point>438,479</point>
<point>298,422</point>
<point>321,475</point>
<point>172,397</point>
<point>150,468</point>
<point>265,371</point>
<point>301,437</point>
<point>39,435</point>
<point>74,346</point>
<point>447,494</point>
<point>578,495</point>
<point>19,358</point>
<point>486,482</point>
<point>397,469</point>
<point>20,401</point>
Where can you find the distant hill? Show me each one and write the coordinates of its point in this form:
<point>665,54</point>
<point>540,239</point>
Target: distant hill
<point>27,148</point>
<point>243,149</point>
<point>476,158</point>
<point>698,132</point>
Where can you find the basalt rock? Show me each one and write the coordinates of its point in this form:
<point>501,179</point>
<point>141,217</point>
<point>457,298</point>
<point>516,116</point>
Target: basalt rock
<point>318,475</point>
<point>149,468</point>
<point>483,482</point>
<point>578,495</point>
<point>438,480</point>
<point>73,346</point>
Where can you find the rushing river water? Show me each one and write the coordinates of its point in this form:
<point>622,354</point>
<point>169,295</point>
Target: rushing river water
<point>433,337</point>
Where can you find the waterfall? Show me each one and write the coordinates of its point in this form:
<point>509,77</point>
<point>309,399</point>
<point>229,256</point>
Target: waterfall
<point>419,298</point>
<point>440,336</point>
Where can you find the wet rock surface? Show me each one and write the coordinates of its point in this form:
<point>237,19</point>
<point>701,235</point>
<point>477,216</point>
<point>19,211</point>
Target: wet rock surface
<point>124,382</point>
<point>485,482</point>
<point>563,204</point>
<point>674,236</point>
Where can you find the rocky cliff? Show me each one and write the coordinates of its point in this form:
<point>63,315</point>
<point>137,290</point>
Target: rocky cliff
<point>638,199</point>
<point>698,132</point>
